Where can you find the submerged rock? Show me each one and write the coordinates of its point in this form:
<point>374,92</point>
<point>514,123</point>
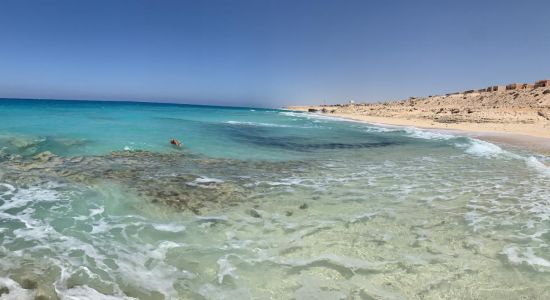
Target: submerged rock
<point>165,179</point>
<point>254,213</point>
<point>178,180</point>
<point>4,290</point>
<point>28,282</point>
<point>45,293</point>
<point>25,143</point>
<point>44,156</point>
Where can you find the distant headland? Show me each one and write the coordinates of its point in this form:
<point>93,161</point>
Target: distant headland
<point>515,108</point>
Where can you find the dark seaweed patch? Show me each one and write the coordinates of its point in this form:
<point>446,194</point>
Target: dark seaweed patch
<point>301,144</point>
<point>326,146</point>
<point>263,137</point>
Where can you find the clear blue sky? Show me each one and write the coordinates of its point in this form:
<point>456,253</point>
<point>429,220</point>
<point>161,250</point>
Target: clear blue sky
<point>267,53</point>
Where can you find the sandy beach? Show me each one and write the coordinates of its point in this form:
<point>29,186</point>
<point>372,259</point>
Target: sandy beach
<point>515,117</point>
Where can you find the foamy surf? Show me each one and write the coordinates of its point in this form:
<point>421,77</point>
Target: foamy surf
<point>312,116</point>
<point>536,164</point>
<point>14,291</point>
<point>484,149</point>
<point>259,124</point>
<point>527,257</point>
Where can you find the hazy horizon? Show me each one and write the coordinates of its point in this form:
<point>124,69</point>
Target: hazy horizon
<point>266,53</point>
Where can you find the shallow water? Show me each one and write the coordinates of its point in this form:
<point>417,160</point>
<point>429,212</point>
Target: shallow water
<point>261,204</point>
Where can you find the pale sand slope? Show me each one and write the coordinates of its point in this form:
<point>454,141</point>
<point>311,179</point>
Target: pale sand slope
<point>517,117</point>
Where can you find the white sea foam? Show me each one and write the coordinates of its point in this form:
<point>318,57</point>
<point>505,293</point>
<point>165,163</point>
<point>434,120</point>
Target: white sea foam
<point>204,179</point>
<point>33,194</point>
<point>204,182</point>
<point>97,211</point>
<point>475,219</point>
<point>285,181</point>
<point>371,127</point>
<point>516,257</point>
<point>169,227</point>
<point>427,134</point>
<point>488,150</point>
<point>85,292</point>
<point>6,189</point>
<point>482,148</point>
<point>412,132</point>
<point>256,124</point>
<point>374,127</point>
<point>313,116</point>
<point>225,268</point>
<point>16,292</point>
<point>534,163</point>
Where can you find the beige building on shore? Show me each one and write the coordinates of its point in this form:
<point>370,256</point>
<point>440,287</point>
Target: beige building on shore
<point>542,83</point>
<point>503,88</point>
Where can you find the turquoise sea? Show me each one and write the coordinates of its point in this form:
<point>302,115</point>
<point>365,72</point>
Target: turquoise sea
<point>261,204</point>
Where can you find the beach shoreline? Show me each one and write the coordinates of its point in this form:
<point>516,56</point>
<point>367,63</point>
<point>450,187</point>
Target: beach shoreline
<point>526,136</point>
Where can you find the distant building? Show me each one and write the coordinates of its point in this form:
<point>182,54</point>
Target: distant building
<point>514,86</point>
<point>542,83</point>
<point>351,102</point>
<point>499,88</point>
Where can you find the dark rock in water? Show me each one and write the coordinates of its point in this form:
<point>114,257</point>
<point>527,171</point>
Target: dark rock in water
<point>254,213</point>
<point>28,283</point>
<point>288,213</point>
<point>313,110</point>
<point>304,206</point>
<point>4,290</point>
